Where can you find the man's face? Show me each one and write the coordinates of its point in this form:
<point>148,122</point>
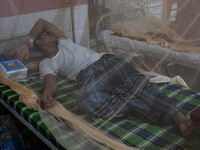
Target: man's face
<point>45,39</point>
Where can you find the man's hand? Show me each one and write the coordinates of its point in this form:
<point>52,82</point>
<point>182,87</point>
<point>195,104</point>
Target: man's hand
<point>23,52</point>
<point>46,101</point>
<point>48,91</point>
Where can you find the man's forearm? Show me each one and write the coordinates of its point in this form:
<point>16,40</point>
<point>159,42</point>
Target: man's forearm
<point>49,85</point>
<point>44,26</point>
<point>38,28</point>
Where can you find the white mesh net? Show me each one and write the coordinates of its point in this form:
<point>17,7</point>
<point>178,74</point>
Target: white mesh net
<point>161,38</point>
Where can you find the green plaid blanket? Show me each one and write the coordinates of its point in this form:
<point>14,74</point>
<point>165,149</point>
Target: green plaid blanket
<point>131,132</point>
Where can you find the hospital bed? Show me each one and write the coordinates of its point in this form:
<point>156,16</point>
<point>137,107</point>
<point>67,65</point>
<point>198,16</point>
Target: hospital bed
<point>121,45</point>
<point>133,133</point>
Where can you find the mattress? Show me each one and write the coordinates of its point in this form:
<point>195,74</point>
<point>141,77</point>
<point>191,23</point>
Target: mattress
<point>123,44</point>
<point>134,133</point>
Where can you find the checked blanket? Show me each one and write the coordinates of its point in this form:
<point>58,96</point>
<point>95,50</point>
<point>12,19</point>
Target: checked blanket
<point>131,132</point>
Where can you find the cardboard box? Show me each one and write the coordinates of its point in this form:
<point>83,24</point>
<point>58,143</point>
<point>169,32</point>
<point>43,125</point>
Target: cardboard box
<point>13,69</point>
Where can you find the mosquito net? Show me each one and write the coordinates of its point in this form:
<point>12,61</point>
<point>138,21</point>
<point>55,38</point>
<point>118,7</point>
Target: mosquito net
<point>161,38</point>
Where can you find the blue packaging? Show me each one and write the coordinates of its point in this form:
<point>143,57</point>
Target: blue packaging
<point>10,137</point>
<point>13,69</point>
<point>13,143</point>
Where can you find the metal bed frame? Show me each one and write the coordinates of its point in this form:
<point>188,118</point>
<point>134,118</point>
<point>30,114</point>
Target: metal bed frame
<point>104,24</point>
<point>28,125</point>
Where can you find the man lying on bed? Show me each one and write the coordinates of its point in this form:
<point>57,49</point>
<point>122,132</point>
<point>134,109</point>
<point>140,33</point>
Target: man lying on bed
<point>108,84</point>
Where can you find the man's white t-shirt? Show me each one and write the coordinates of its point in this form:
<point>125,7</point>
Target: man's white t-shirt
<point>69,60</point>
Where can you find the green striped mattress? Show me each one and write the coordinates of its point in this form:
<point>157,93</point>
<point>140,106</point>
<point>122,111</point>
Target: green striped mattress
<point>133,133</point>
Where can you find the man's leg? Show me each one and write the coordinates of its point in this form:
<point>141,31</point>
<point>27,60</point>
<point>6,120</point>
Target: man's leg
<point>96,97</point>
<point>154,105</point>
<point>185,125</point>
<point>96,94</point>
<point>101,104</point>
<point>160,107</point>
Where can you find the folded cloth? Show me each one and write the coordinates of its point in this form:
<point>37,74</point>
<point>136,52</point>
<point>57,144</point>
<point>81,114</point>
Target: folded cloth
<point>195,116</point>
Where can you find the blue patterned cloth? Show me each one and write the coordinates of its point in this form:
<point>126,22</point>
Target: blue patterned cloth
<point>111,85</point>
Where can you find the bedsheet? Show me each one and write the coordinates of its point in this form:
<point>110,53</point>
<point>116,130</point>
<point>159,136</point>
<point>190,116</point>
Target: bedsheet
<point>131,132</point>
<point>190,59</point>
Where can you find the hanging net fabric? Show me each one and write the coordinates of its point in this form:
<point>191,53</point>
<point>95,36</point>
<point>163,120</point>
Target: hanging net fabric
<point>161,38</point>
<point>164,25</point>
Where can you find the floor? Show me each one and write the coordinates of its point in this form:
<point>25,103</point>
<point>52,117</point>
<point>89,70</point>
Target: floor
<point>26,139</point>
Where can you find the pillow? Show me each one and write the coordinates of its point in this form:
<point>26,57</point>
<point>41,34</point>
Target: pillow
<point>32,63</point>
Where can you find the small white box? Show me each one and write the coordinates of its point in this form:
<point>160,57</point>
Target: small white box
<point>13,69</point>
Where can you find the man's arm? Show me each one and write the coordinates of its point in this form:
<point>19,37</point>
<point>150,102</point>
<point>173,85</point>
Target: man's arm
<point>44,26</point>
<point>48,91</point>
<point>40,26</point>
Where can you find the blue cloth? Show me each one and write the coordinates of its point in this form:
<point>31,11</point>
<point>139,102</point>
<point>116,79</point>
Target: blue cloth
<point>111,82</point>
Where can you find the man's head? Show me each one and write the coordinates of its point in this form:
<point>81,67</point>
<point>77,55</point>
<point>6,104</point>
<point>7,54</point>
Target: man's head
<point>45,41</point>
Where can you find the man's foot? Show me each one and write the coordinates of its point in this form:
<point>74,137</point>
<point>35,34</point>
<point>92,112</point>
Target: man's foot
<point>185,125</point>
